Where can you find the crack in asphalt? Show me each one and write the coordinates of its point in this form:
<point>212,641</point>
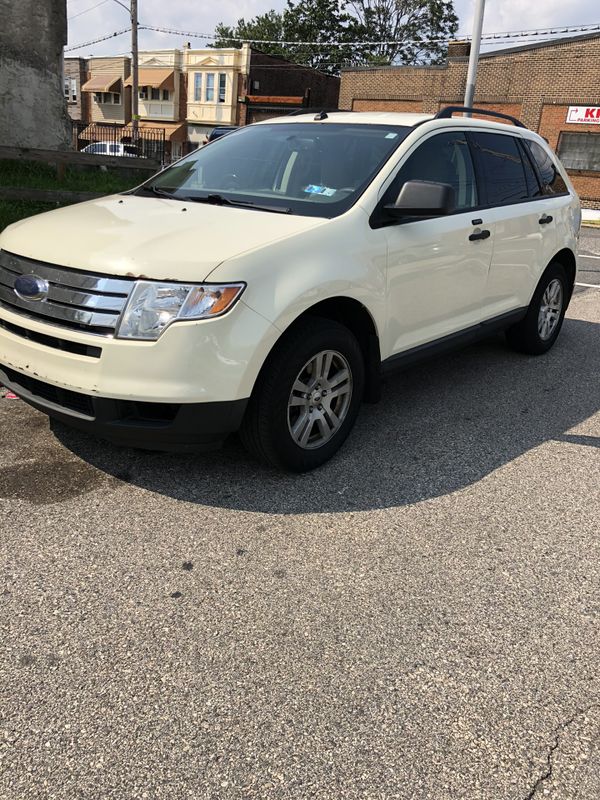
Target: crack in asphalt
<point>558,732</point>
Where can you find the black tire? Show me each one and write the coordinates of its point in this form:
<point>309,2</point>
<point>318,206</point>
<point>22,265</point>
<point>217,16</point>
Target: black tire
<point>524,337</point>
<point>265,431</point>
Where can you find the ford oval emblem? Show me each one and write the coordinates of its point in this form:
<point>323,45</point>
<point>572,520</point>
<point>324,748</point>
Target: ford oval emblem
<point>30,287</point>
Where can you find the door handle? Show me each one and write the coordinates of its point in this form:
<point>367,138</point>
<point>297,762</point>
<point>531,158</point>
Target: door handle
<point>484,234</point>
<point>545,219</point>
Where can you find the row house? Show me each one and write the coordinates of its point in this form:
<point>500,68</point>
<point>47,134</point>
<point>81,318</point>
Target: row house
<point>184,94</point>
<point>215,88</point>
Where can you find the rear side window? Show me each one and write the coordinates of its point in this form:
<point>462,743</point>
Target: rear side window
<point>443,158</point>
<point>552,180</point>
<point>500,168</point>
<point>533,184</point>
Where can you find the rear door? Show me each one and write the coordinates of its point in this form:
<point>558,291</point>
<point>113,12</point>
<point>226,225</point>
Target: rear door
<point>524,224</point>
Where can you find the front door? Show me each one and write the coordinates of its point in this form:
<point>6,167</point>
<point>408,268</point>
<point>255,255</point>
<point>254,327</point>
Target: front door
<point>437,268</point>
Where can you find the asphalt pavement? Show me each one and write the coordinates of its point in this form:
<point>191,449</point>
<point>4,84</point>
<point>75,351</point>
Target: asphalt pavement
<point>589,256</point>
<point>418,619</point>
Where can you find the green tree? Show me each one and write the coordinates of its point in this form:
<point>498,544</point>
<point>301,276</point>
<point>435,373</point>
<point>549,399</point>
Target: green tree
<point>406,31</point>
<point>366,32</point>
<point>267,26</point>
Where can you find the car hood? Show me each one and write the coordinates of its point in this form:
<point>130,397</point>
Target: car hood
<point>149,237</point>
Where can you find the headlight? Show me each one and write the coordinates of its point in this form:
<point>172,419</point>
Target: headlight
<point>153,306</point>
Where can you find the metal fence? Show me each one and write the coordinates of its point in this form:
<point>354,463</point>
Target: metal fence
<point>119,140</point>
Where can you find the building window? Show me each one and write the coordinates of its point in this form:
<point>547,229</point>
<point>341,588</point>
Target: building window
<point>210,87</point>
<point>108,98</point>
<point>166,95</point>
<point>580,151</point>
<point>154,94</point>
<point>222,86</point>
<point>197,87</point>
<point>70,90</point>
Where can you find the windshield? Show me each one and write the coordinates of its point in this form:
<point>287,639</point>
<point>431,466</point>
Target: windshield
<point>312,169</point>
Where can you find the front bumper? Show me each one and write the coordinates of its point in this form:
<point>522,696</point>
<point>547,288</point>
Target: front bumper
<point>176,427</point>
<point>192,362</point>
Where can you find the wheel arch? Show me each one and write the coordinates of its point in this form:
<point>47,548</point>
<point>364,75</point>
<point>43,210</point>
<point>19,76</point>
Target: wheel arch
<point>358,319</point>
<point>566,257</point>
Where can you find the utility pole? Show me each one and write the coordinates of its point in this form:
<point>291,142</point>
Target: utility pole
<point>474,53</point>
<point>134,71</point>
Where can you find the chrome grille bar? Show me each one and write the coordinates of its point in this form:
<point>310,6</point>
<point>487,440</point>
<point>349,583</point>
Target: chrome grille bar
<point>75,299</point>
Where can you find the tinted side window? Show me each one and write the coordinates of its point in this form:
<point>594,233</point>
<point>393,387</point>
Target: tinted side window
<point>444,158</point>
<point>500,168</point>
<point>533,184</point>
<point>551,178</point>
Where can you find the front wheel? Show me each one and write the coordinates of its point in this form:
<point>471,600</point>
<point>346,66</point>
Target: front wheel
<point>307,398</point>
<point>539,329</point>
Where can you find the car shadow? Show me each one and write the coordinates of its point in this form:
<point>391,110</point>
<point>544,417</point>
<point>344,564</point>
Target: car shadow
<point>440,427</point>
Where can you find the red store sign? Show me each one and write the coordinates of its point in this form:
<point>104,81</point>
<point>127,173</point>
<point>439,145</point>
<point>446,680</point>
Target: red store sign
<point>586,115</point>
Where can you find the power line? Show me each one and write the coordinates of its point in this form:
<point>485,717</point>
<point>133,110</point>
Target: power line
<point>535,32</point>
<point>95,41</point>
<point>101,3</point>
<point>498,37</point>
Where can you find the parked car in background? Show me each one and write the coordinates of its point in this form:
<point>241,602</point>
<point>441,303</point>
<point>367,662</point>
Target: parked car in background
<point>267,282</point>
<point>217,133</point>
<point>112,149</point>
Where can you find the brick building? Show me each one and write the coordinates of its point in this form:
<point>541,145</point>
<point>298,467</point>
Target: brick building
<point>74,77</point>
<point>276,86</point>
<point>544,84</point>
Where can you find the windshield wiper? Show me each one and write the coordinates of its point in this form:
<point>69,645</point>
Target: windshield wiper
<point>160,192</point>
<point>219,200</point>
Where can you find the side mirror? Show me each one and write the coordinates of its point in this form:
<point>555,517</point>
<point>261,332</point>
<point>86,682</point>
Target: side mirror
<point>423,199</point>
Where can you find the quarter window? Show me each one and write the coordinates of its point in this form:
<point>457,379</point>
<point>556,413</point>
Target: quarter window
<point>533,185</point>
<point>500,168</point>
<point>210,87</point>
<point>444,158</point>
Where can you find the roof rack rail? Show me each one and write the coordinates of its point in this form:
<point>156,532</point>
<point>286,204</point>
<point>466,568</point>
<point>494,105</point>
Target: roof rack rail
<point>446,113</point>
<point>316,110</point>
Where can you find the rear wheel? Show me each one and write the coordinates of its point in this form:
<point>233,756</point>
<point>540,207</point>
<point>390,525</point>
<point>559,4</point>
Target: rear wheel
<point>539,329</point>
<point>307,397</point>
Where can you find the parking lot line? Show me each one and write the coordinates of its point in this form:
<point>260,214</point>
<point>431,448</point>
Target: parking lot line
<point>589,285</point>
<point>582,256</point>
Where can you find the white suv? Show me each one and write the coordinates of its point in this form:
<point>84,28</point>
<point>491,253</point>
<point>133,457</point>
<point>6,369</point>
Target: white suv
<point>266,282</point>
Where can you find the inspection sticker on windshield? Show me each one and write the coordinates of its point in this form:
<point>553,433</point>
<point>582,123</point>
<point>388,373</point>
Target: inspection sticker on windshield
<point>324,190</point>
<point>391,135</point>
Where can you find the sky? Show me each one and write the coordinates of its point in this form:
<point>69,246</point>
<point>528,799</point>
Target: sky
<point>91,19</point>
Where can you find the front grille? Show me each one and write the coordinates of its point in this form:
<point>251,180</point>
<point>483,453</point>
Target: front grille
<point>52,341</point>
<point>74,401</point>
<point>78,300</point>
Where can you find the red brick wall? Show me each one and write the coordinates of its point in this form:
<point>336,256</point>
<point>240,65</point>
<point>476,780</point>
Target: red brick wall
<point>536,85</point>
<point>388,105</point>
<point>552,123</point>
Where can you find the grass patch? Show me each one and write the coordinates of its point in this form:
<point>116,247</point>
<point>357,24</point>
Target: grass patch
<point>34,175</point>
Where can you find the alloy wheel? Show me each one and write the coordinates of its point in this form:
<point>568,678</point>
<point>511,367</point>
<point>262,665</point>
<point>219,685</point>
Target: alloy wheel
<point>320,399</point>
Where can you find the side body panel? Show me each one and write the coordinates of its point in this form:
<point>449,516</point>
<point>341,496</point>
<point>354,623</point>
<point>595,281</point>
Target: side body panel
<point>436,278</point>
